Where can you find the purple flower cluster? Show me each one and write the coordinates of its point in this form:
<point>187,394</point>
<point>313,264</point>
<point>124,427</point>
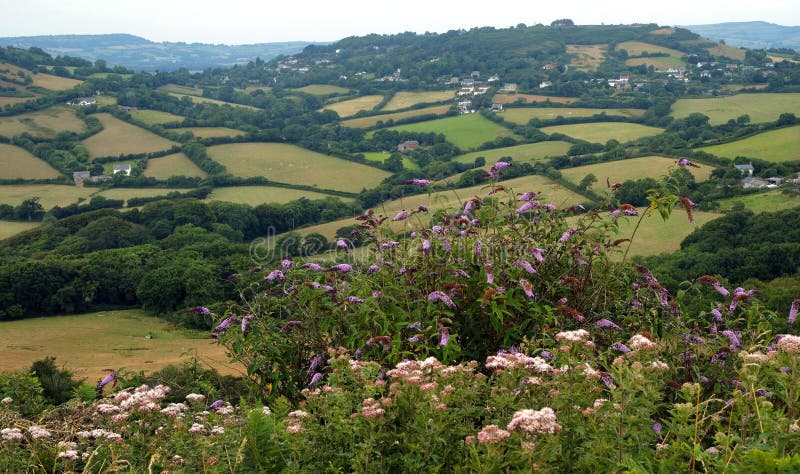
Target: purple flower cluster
<point>441,296</point>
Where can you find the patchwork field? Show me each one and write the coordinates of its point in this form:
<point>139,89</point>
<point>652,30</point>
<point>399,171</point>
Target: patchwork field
<point>291,164</point>
<point>119,137</point>
<point>770,201</point>
<point>211,132</point>
<point>366,122</point>
<point>45,123</point>
<point>604,131</point>
<point>322,89</point>
<point>16,162</point>
<point>206,100</point>
<point>522,115</point>
<point>380,157</point>
<point>49,194</point>
<point>177,164</point>
<point>530,99</point>
<point>775,145</point>
<point>464,131</point>
<point>520,153</point>
<point>175,88</point>
<point>764,107</point>
<point>54,83</point>
<point>350,107</point>
<point>9,228</point>
<point>402,100</point>
<point>90,343</point>
<point>635,168</point>
<point>587,57</point>
<point>637,48</point>
<point>255,195</point>
<point>4,101</point>
<point>155,117</point>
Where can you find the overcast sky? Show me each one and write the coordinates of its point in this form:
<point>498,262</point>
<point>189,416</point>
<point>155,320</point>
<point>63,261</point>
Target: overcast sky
<point>245,22</point>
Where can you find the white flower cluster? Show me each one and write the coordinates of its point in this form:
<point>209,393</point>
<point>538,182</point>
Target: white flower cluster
<point>789,344</point>
<point>510,361</point>
<point>638,342</point>
<point>576,336</point>
<point>100,433</point>
<point>534,421</point>
<point>38,432</point>
<point>11,434</point>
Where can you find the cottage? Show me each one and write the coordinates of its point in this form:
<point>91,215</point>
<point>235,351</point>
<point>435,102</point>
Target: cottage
<point>745,169</point>
<point>82,102</point>
<point>753,182</point>
<point>79,176</point>
<point>126,169</point>
<point>510,87</point>
<point>408,145</point>
<point>497,107</point>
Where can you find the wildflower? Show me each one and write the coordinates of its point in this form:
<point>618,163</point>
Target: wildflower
<point>733,338</point>
<point>246,320</point>
<point>437,229</point>
<point>789,344</point>
<point>373,269</point>
<point>111,377</point>
<point>527,196</point>
<point>370,408</point>
<point>195,397</point>
<point>197,428</point>
<point>342,267</point>
<point>354,299</point>
<point>684,162</point>
<point>422,208</point>
<point>426,245</point>
<point>441,296</point>
<point>607,381</point>
<point>312,266</point>
<point>525,265</point>
<point>444,336</point>
<point>402,215</point>
<point>217,430</point>
<point>38,432</point>
<point>548,355</point>
<point>537,254</point>
<point>527,207</point>
<point>492,434</point>
<point>317,378</point>
<point>607,324</point>
<point>201,310</point>
<point>618,346</point>
<point>576,336</point>
<point>710,280</point>
<point>415,339</point>
<point>793,311</point>
<point>216,404</point>
<point>461,273</point>
<point>566,235</point>
<point>416,325</point>
<point>688,205</point>
<point>389,245</point>
<point>224,325</point>
<point>275,275</point>
<point>637,342</point>
<point>11,434</point>
<point>549,207</point>
<point>7,401</point>
<point>717,314</point>
<point>526,287</point>
<point>286,264</point>
<point>341,244</point>
<point>657,427</point>
<point>534,421</point>
<point>70,454</point>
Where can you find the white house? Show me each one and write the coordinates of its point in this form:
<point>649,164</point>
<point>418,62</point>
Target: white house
<point>126,168</point>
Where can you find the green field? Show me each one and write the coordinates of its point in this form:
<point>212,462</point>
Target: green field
<point>255,195</point>
<point>464,131</point>
<point>587,57</point>
<point>520,153</point>
<point>366,122</point>
<point>322,89</point>
<point>127,193</point>
<point>404,99</point>
<point>155,117</point>
<point>764,107</point>
<point>727,51</point>
<point>660,63</point>
<point>177,164</point>
<point>523,115</point>
<point>604,131</point>
<point>637,48</point>
<point>350,107</point>
<point>530,99</point>
<point>776,145</point>
<point>770,201</point>
<point>16,162</point>
<point>380,157</point>
<point>175,88</point>
<point>656,236</point>
<point>45,123</point>
<point>210,132</point>
<point>635,168</point>
<point>292,164</point>
<point>49,194</point>
<point>118,138</point>
<point>206,100</point>
<point>54,83</point>
<point>9,228</point>
<point>90,343</point>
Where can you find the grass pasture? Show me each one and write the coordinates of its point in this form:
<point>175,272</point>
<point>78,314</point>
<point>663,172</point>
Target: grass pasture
<point>520,153</point>
<point>11,228</point>
<point>522,115</point>
<point>602,132</point>
<point>770,201</point>
<point>775,145</point>
<point>323,89</point>
<point>155,117</point>
<point>346,108</point>
<point>587,57</point>
<point>177,89</point>
<point>656,236</point>
<point>177,164</point>
<point>49,194</point>
<point>45,123</point>
<point>371,121</point>
<point>255,195</point>
<point>380,157</point>
<point>16,162</point>
<point>90,343</point>
<point>206,100</point>
<point>660,63</point>
<point>119,138</point>
<point>764,107</point>
<point>54,83</point>
<point>404,99</point>
<point>637,48</point>
<point>463,131</point>
<point>530,99</point>
<point>663,31</point>
<point>291,164</point>
<point>632,169</point>
<point>727,51</point>
<point>4,101</point>
<point>210,132</point>
<point>127,193</point>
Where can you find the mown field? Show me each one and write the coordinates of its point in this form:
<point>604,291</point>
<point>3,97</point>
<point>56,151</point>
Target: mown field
<point>530,99</point>
<point>54,83</point>
<point>765,107</point>
<point>16,162</point>
<point>522,115</point>
<point>155,117</point>
<point>604,131</point>
<point>366,122</point>
<point>49,194</point>
<point>775,145</point>
<point>464,131</point>
<point>291,164</point>
<point>635,168</point>
<point>255,195</point>
<point>586,57</point>
<point>127,193</point>
<point>350,107</point>
<point>90,343</point>
<point>119,138</point>
<point>380,157</point>
<point>177,89</point>
<point>45,123</point>
<point>322,89</point>
<point>206,100</point>
<point>177,164</point>
<point>9,228</point>
<point>770,201</point>
<point>520,153</point>
<point>404,99</point>
<point>210,132</point>
<point>4,101</point>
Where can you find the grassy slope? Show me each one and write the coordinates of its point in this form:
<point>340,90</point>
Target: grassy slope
<point>43,123</point>
<point>522,115</point>
<point>16,162</point>
<point>364,122</point>
<point>9,228</point>
<point>255,195</point>
<point>760,107</point>
<point>775,145</point>
<point>350,107</point>
<point>464,131</point>
<point>530,98</point>
<point>210,132</point>
<point>177,164</point>
<point>403,99</point>
<point>322,89</point>
<point>155,117</point>
<point>49,194</point>
<point>604,131</point>
<point>380,157</point>
<point>635,168</point>
<point>520,153</point>
<point>770,201</point>
<point>119,138</point>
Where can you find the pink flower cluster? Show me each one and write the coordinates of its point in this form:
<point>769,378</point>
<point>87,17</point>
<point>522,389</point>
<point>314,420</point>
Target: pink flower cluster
<point>535,421</point>
<point>143,398</point>
<point>789,344</point>
<point>100,433</point>
<point>11,434</point>
<point>294,421</point>
<point>371,408</point>
<point>492,434</point>
<point>507,360</point>
<point>576,336</point>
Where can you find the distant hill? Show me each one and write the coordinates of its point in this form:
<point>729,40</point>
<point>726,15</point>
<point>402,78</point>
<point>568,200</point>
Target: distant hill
<point>751,34</point>
<point>140,54</point>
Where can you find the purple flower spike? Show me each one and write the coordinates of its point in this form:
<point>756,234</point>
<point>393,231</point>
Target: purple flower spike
<point>373,268</point>
<point>286,264</point>
<point>717,314</point>
<point>224,325</point>
<point>400,216</point>
<point>444,336</point>
<point>341,244</point>
<point>526,287</point>
<point>216,404</point>
<point>417,182</point>
<point>547,355</point>
<point>201,310</point>
<point>566,235</point>
<point>422,208</point>
<point>608,382</point>
<point>317,378</point>
<point>527,207</point>
<point>415,339</point>
<point>657,427</point>
<point>437,229</point>
<point>618,346</point>
<point>111,377</point>
<point>607,324</point>
<point>416,325</point>
<point>342,267</point>
<point>315,363</point>
<point>526,265</point>
<point>275,275</point>
<point>527,196</point>
<point>426,246</point>
<point>441,296</point>
<point>537,254</point>
<point>793,310</point>
<point>354,299</point>
<point>733,338</point>
<point>704,379</point>
<point>312,266</point>
<point>246,320</point>
<point>684,162</point>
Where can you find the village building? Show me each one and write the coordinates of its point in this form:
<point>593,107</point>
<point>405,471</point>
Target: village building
<point>126,169</point>
<point>745,169</point>
<point>408,145</point>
